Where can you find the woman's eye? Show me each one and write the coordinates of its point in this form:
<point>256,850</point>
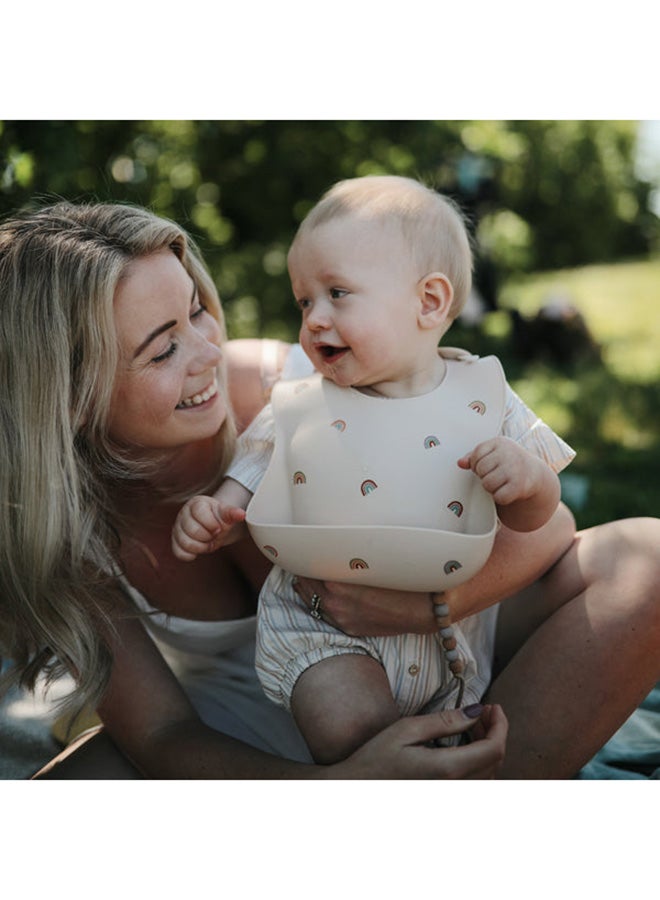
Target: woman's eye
<point>337,293</point>
<point>197,312</point>
<point>163,356</point>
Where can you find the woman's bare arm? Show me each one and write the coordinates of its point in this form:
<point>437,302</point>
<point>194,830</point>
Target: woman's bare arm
<point>148,716</point>
<point>151,722</point>
<point>518,560</point>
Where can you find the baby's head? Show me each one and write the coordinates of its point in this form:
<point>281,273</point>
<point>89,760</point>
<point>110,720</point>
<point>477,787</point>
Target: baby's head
<point>432,227</point>
<point>380,268</point>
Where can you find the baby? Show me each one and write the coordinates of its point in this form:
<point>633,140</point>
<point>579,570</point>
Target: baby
<point>380,268</point>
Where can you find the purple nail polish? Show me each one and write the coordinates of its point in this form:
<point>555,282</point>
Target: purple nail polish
<point>473,711</point>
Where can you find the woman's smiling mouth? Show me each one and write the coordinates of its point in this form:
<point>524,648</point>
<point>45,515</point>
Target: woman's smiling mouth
<point>199,398</point>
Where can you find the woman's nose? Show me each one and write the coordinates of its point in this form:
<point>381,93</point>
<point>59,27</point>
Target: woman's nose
<point>206,354</point>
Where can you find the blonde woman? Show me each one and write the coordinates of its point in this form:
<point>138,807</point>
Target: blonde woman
<point>116,403</point>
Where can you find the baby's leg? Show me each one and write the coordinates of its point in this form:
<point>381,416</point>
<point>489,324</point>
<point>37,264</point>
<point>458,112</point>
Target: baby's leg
<point>341,702</point>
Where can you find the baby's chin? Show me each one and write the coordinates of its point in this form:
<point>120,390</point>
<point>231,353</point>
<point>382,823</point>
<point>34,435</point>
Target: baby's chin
<point>341,379</point>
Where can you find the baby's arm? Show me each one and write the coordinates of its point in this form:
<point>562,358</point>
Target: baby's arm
<point>206,523</point>
<point>523,486</point>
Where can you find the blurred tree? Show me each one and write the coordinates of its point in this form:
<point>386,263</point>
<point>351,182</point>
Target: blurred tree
<point>539,194</point>
<point>574,184</point>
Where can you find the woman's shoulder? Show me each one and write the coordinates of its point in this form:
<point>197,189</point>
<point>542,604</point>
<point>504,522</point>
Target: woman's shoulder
<point>253,367</point>
<point>247,354</point>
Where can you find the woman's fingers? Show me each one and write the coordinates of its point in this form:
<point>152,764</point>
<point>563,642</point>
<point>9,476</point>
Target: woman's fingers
<point>404,749</point>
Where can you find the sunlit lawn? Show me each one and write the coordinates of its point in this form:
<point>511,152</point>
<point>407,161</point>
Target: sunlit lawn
<point>609,410</point>
<point>621,304</point>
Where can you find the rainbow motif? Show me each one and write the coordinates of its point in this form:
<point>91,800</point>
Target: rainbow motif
<point>368,487</point>
<point>456,507</point>
<point>478,406</point>
<point>270,550</point>
<point>431,441</point>
<point>339,424</point>
<point>452,566</point>
<point>357,563</point>
<point>299,478</point>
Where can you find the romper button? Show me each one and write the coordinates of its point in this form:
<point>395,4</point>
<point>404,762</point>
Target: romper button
<point>413,669</point>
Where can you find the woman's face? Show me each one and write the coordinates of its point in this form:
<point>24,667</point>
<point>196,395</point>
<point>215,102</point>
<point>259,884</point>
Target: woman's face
<point>166,391</point>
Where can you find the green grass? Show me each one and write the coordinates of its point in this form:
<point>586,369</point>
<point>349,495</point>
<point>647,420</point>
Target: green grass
<point>607,409</point>
<point>621,304</point>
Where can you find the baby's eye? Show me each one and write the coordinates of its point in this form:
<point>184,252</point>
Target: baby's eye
<point>303,303</point>
<point>337,293</point>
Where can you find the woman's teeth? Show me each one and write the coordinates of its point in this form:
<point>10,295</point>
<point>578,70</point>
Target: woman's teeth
<point>196,399</point>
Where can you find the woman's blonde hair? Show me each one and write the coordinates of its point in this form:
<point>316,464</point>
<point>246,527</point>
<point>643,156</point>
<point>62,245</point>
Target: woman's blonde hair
<point>59,270</point>
<point>431,223</point>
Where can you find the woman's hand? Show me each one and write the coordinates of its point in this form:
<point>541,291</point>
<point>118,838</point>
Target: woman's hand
<point>402,750</point>
<point>358,610</point>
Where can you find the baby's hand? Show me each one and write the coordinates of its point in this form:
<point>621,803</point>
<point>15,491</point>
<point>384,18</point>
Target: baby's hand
<point>203,525</point>
<point>507,471</point>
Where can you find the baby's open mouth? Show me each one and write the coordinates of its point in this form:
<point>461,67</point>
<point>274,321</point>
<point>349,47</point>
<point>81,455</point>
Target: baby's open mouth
<point>331,353</point>
<point>201,397</point>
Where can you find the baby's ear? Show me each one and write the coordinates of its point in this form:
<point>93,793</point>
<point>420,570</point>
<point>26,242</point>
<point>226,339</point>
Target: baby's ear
<point>435,294</point>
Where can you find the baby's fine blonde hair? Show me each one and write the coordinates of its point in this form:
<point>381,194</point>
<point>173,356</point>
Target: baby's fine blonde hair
<point>59,270</point>
<point>432,225</point>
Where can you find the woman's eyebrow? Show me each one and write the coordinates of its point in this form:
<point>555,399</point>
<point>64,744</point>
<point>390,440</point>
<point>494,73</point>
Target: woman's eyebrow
<point>154,334</point>
<point>161,328</point>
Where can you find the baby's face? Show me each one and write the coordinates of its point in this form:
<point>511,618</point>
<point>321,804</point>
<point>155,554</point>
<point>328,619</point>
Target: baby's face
<point>357,288</point>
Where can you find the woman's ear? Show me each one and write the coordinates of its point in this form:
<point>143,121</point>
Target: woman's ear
<point>435,293</point>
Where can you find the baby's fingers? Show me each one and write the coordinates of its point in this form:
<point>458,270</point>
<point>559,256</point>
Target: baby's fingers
<point>465,462</point>
<point>187,544</point>
<point>472,459</point>
<point>231,515</point>
<point>193,532</point>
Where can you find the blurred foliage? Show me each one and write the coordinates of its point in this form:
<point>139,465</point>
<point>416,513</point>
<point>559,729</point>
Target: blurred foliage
<point>612,421</point>
<point>540,194</point>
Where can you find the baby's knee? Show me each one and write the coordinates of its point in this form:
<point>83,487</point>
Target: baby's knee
<point>340,703</point>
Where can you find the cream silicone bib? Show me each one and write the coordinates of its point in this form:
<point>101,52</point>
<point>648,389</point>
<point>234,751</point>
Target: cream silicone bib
<point>367,489</point>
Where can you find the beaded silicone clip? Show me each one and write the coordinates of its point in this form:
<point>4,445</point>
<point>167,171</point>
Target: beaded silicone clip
<point>443,621</point>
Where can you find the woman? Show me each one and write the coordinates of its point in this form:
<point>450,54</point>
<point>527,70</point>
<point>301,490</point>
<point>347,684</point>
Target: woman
<point>114,410</point>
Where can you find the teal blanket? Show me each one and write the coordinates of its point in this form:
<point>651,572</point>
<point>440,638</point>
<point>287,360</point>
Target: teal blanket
<point>634,751</point>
